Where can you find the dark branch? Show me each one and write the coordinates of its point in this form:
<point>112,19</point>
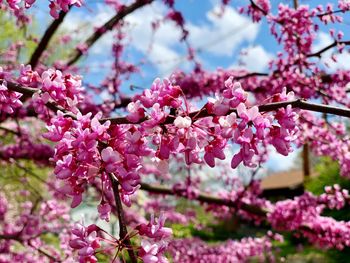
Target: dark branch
<point>334,44</point>
<point>298,103</point>
<point>330,13</point>
<point>50,31</point>
<point>26,91</point>
<point>254,5</point>
<point>124,101</point>
<point>52,258</point>
<point>205,198</point>
<point>11,237</point>
<point>109,25</point>
<point>304,105</point>
<point>123,231</point>
<point>9,130</point>
<point>252,74</point>
<point>296,4</point>
<point>253,209</point>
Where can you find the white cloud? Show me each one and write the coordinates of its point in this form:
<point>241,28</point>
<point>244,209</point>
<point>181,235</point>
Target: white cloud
<point>218,35</point>
<point>254,58</point>
<point>323,40</point>
<point>81,23</point>
<point>222,34</point>
<point>342,61</point>
<point>163,53</point>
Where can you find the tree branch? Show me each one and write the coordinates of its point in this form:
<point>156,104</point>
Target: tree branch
<point>252,74</point>
<point>254,5</point>
<point>17,237</point>
<point>297,103</point>
<point>124,101</point>
<point>205,198</point>
<point>52,258</point>
<point>123,231</point>
<point>253,209</point>
<point>334,44</point>
<point>11,237</point>
<point>107,27</point>
<point>330,13</point>
<point>26,91</point>
<point>7,130</point>
<point>296,4</point>
<point>50,31</point>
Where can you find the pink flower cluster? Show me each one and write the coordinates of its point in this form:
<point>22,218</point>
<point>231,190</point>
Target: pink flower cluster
<point>28,225</point>
<point>304,214</point>
<point>9,100</point>
<point>163,98</point>
<point>153,248</point>
<point>279,135</point>
<point>26,149</point>
<point>87,151</point>
<point>299,24</point>
<point>195,250</point>
<point>3,207</point>
<point>86,241</point>
<point>335,197</point>
<point>344,5</point>
<point>76,156</point>
<point>55,5</point>
<point>319,134</point>
<point>328,15</point>
<point>15,4</point>
<point>64,89</point>
<point>295,212</point>
<point>191,136</point>
<point>162,94</point>
<point>257,9</point>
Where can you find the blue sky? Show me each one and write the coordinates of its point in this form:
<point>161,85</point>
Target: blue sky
<point>219,39</point>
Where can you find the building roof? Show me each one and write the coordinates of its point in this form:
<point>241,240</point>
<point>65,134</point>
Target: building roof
<point>286,179</point>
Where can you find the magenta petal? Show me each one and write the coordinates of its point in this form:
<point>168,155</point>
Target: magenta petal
<point>76,201</point>
<point>236,160</point>
<point>209,159</point>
